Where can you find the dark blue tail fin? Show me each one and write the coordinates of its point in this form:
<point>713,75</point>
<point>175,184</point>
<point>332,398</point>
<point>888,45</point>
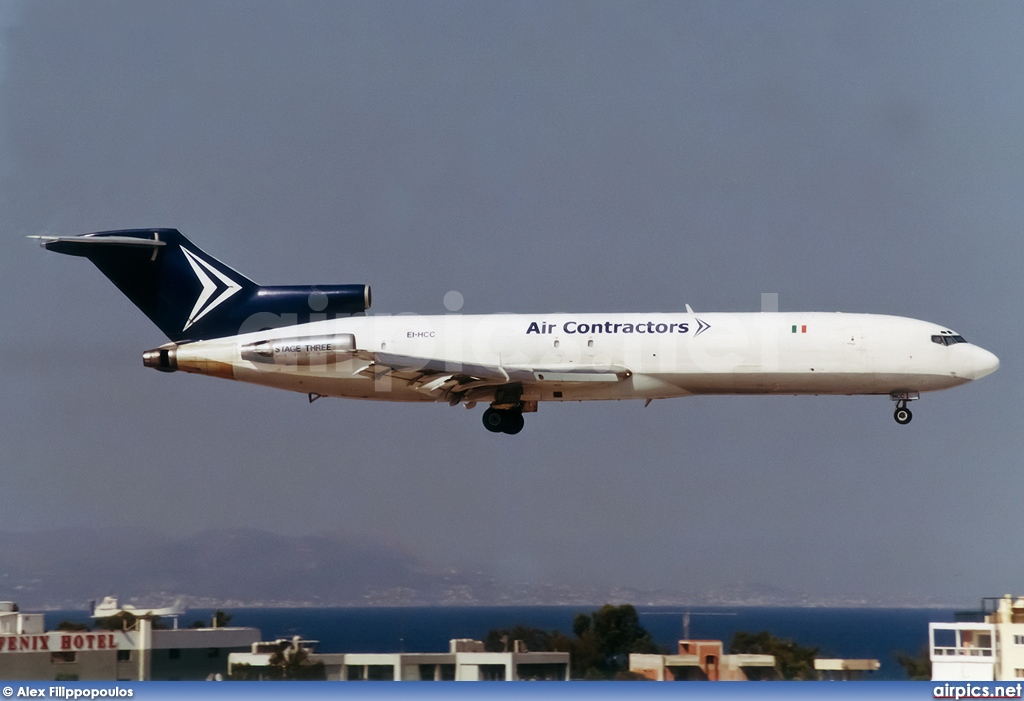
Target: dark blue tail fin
<point>191,296</point>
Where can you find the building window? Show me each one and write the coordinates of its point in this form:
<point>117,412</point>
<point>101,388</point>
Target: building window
<point>174,653</point>
<point>550,672</point>
<point>1018,640</point>
<point>124,655</point>
<point>492,673</point>
<point>63,657</point>
<point>1020,673</point>
<point>380,673</point>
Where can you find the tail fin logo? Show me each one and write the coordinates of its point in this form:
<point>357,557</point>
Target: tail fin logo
<point>223,283</point>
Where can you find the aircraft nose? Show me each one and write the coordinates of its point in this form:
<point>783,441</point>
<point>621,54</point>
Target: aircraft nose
<point>981,363</point>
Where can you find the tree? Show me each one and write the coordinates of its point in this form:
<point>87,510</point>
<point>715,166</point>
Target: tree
<point>220,620</point>
<point>71,625</point>
<point>289,663</point>
<point>605,640</point>
<point>918,668</point>
<point>600,647</point>
<point>292,664</point>
<point>535,639</point>
<point>791,660</point>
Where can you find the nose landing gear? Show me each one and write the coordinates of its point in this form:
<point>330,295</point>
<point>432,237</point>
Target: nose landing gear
<point>903,415</point>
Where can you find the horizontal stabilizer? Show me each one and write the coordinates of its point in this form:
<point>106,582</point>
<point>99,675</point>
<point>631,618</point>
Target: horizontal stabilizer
<point>192,296</point>
<point>86,245</point>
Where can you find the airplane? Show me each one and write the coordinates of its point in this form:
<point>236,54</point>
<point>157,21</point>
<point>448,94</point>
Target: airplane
<point>108,607</point>
<point>318,340</point>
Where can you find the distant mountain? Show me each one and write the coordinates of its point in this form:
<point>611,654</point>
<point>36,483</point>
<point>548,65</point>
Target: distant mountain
<point>248,567</point>
<point>240,566</point>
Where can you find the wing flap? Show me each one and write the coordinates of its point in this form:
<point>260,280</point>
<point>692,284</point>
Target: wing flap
<point>579,376</point>
<point>433,374</point>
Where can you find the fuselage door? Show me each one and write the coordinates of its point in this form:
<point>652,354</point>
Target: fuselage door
<point>855,353</point>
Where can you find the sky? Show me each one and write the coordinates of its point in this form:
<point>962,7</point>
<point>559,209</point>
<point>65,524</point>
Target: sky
<point>534,157</point>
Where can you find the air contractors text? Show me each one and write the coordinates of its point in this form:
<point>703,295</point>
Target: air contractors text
<point>571,327</point>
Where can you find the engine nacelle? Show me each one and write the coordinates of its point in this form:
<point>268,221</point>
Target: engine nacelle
<point>307,350</point>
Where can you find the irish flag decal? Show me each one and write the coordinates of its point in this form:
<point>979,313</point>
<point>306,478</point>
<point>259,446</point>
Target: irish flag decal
<point>803,328</point>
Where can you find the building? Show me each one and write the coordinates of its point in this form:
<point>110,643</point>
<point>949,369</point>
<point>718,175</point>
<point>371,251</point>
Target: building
<point>30,653</point>
<point>962,651</point>
<point>988,648</point>
<point>466,660</point>
<point>179,654</point>
<point>702,660</point>
<point>833,669</point>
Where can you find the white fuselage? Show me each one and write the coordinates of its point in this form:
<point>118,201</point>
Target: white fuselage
<point>571,357</point>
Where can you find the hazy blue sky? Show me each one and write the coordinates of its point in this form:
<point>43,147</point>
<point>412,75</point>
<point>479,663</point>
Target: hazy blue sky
<point>536,157</point>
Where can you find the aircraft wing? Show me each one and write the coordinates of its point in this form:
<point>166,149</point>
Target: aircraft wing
<point>459,381</point>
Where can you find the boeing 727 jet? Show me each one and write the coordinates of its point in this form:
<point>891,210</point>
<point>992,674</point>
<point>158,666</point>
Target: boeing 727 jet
<point>317,340</point>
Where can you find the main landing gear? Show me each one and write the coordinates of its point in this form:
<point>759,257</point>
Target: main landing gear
<point>505,414</point>
<point>903,415</point>
<point>508,421</point>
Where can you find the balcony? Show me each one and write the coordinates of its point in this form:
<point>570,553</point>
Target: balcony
<point>961,642</point>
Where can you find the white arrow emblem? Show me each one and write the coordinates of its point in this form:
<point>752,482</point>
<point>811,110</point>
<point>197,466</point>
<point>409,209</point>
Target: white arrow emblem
<point>209,287</point>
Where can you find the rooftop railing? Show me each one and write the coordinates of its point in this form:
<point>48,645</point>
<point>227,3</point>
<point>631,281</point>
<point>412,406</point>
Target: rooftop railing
<point>964,651</point>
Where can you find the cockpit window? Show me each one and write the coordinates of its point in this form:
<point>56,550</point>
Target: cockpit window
<point>948,340</point>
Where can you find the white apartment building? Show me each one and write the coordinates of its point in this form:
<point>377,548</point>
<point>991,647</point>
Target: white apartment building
<point>466,660</point>
<point>30,652</point>
<point>992,650</point>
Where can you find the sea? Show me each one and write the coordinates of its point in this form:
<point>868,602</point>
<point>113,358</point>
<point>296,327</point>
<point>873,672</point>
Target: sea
<point>836,632</point>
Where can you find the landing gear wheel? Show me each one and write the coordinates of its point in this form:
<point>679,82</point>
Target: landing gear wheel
<point>508,421</point>
<point>513,423</point>
<point>902,415</point>
<point>494,420</point>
